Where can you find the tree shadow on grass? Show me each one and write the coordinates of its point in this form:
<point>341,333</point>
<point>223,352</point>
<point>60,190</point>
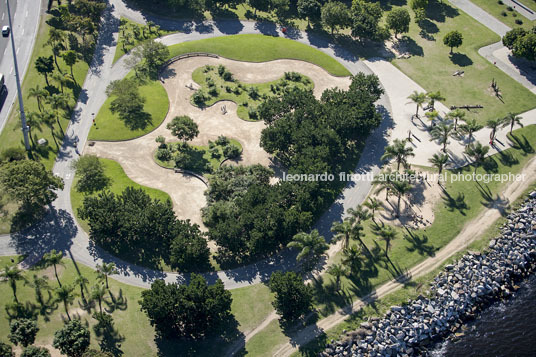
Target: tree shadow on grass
<point>109,337</point>
<point>138,120</point>
<point>212,345</point>
<point>439,10</point>
<point>118,302</point>
<point>409,45</point>
<point>490,165</point>
<point>489,201</point>
<point>455,203</point>
<point>521,143</point>
<point>419,244</point>
<point>507,158</point>
<point>461,59</point>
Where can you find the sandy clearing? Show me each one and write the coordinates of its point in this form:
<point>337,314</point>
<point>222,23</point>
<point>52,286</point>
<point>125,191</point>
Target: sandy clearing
<point>186,192</point>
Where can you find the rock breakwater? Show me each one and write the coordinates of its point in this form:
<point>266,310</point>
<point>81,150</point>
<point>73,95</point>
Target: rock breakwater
<point>456,294</point>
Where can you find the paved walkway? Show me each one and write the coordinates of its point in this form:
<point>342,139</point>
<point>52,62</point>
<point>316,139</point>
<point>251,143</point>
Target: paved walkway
<point>481,16</point>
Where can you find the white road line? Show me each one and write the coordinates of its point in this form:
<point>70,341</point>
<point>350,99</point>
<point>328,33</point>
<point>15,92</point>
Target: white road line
<point>11,71</point>
<point>22,32</point>
<point>26,13</point>
<point>18,50</point>
<point>5,51</point>
<point>3,15</point>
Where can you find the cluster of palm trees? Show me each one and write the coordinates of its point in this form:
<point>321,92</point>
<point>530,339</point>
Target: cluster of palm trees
<point>64,293</point>
<point>444,129</point>
<point>133,31</point>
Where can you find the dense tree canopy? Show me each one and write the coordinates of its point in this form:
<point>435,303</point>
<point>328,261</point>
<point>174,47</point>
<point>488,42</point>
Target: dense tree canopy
<point>366,17</point>
<point>128,103</point>
<point>23,331</point>
<point>72,339</point>
<point>453,39</point>
<point>293,299</point>
<point>189,250</point>
<point>398,21</point>
<point>335,15</point>
<point>90,174</point>
<point>188,310</point>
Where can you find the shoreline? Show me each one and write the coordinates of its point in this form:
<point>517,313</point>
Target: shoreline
<point>456,295</point>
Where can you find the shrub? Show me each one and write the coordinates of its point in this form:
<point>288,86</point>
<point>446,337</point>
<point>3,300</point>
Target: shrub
<point>206,69</point>
<point>237,90</point>
<point>199,97</point>
<point>509,8</point>
<point>23,331</point>
<point>214,152</point>
<point>253,93</point>
<point>500,2</point>
<point>13,154</point>
<point>189,250</point>
<point>210,82</point>
<point>163,154</point>
<point>519,22</point>
<point>161,140</point>
<point>231,151</point>
<point>6,350</point>
<point>73,339</point>
<point>293,76</point>
<point>222,140</point>
<point>503,13</point>
<point>228,89</point>
<point>221,70</point>
<point>213,91</point>
<point>211,144</point>
<point>227,76</point>
<point>245,103</point>
<point>34,351</point>
<point>252,112</point>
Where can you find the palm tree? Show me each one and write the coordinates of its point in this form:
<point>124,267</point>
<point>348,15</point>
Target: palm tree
<point>456,114</point>
<point>56,51</point>
<point>12,274</point>
<point>441,132</point>
<point>39,94</point>
<point>39,284</point>
<point>105,270</point>
<point>56,36</point>
<point>33,120</point>
<point>66,294</point>
<point>401,188</point>
<point>48,118</point>
<point>311,245</point>
<point>342,231</point>
<point>493,124</point>
<point>384,182</point>
<point>470,126</point>
<point>54,258</point>
<point>387,234</point>
<point>373,204</point>
<point>57,102</point>
<point>439,160</point>
<point>418,99</point>
<point>431,116</point>
<point>358,214</point>
<point>512,119</point>
<point>477,152</point>
<point>81,281</point>
<point>62,80</point>
<point>97,293</point>
<point>398,151</point>
<point>352,258</point>
<point>336,270</point>
<point>433,96</point>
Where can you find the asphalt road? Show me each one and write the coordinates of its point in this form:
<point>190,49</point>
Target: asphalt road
<point>25,20</point>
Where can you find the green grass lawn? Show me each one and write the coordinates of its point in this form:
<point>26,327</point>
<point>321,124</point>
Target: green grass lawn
<point>260,48</point>
<point>250,306</point>
<point>119,181</point>
<point>109,127</point>
<point>431,66</point>
<point>215,88</point>
<point>11,135</point>
<point>144,36</point>
<point>504,15</point>
<point>203,161</point>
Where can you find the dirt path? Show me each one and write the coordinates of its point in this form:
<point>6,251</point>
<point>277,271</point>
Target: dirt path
<point>136,156</point>
<point>469,233</point>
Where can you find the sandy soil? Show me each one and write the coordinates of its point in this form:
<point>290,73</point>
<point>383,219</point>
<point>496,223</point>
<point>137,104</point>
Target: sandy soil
<point>136,156</point>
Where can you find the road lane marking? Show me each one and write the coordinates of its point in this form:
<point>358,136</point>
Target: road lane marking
<point>22,31</point>
<point>26,13</point>
<point>11,70</point>
<point>3,15</point>
<point>18,50</point>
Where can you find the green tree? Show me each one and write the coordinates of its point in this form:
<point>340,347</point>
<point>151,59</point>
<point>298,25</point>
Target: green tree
<point>90,173</point>
<point>231,151</point>
<point>419,8</point>
<point>70,58</point>
<point>419,99</point>
<point>400,188</point>
<point>352,257</point>
<point>97,294</point>
<point>477,152</point>
<point>311,246</point>
<point>260,5</point>
<point>189,250</point>
<point>512,36</point>
<point>453,39</point>
<point>72,339</point>
<point>510,120</point>
<point>33,120</point>
<point>61,79</point>
<point>39,283</point>
<point>12,274</point>
<point>373,204</point>
<point>358,214</point>
<point>23,331</point>
<point>293,299</point>
<point>433,97</point>
<point>387,234</point>
<point>184,128</point>
<point>81,281</point>
<point>398,20</point>
<point>494,124</point>
<point>384,182</point>
<point>334,14</point>
<point>470,126</point>
<point>54,258</point>
<point>456,114</point>
<point>365,21</point>
<point>105,270</point>
<point>65,294</point>
<point>309,9</point>
<point>336,270</point>
<point>45,66</point>
<point>187,310</point>
<point>128,103</point>
<point>39,94</point>
<point>154,54</point>
<point>35,351</point>
<point>343,231</point>
<point>439,160</point>
<point>6,350</point>
<point>399,152</point>
<point>442,132</point>
<point>525,47</point>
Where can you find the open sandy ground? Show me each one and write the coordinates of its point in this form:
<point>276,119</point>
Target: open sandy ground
<point>186,192</point>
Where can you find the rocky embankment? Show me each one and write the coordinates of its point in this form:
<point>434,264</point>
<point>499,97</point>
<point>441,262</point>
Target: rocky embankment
<point>455,295</point>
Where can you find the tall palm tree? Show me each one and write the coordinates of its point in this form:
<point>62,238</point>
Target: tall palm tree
<point>477,152</point>
<point>97,293</point>
<point>470,126</point>
<point>81,281</point>
<point>56,51</point>
<point>39,94</point>
<point>432,97</point>
<point>58,102</point>
<point>56,36</point>
<point>456,114</point>
<point>358,214</point>
<point>387,234</point>
<point>441,132</point>
<point>401,188</point>
<point>39,283</point>
<point>493,124</point>
<point>384,182</point>
<point>373,204</point>
<point>12,274</point>
<point>62,80</point>
<point>398,151</point>
<point>512,119</point>
<point>66,294</point>
<point>48,118</point>
<point>419,99</point>
<point>311,245</point>
<point>431,116</point>
<point>105,270</point>
<point>342,231</point>
<point>336,270</point>
<point>439,160</point>
<point>33,120</point>
<point>54,258</point>
<point>352,258</point>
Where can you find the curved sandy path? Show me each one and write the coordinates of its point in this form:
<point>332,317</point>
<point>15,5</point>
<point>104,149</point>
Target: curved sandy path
<point>186,192</point>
